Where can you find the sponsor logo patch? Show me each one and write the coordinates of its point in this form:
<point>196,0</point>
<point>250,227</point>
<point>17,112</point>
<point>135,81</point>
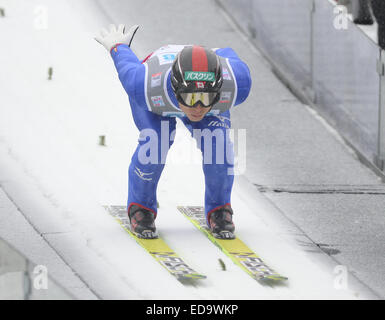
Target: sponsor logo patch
<point>157,101</point>
<point>218,124</point>
<point>226,74</point>
<point>213,112</point>
<point>156,79</point>
<point>199,76</point>
<point>225,97</point>
<point>166,58</point>
<point>221,123</point>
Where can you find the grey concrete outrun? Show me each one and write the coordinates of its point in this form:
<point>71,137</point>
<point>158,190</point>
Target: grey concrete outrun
<point>292,157</point>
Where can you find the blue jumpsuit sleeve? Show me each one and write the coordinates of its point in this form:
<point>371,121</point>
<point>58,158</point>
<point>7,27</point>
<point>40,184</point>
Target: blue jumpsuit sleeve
<point>131,73</point>
<point>241,72</point>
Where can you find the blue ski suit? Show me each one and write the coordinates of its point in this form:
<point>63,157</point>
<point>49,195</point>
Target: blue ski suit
<point>143,176</point>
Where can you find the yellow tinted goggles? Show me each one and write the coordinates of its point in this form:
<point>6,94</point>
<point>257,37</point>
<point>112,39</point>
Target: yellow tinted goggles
<point>206,99</point>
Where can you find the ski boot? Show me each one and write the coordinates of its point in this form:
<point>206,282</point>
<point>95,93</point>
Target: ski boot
<point>221,223</point>
<point>142,222</point>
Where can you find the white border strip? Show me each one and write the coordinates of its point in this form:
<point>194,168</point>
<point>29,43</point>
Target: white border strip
<point>166,91</point>
<point>235,83</point>
<point>145,86</point>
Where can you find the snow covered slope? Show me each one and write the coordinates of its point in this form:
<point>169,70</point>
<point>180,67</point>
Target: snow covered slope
<point>54,169</point>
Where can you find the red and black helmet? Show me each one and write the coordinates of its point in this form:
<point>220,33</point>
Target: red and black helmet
<point>197,69</point>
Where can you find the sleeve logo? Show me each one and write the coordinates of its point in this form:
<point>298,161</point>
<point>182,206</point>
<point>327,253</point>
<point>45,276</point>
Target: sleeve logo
<point>199,76</point>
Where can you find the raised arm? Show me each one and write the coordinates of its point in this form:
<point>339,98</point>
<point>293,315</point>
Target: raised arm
<point>128,66</point>
<point>117,41</point>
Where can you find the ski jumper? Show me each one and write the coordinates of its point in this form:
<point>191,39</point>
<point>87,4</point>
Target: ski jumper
<point>154,109</point>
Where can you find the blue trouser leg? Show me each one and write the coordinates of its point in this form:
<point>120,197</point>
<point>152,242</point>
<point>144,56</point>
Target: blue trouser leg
<point>147,163</point>
<point>212,137</point>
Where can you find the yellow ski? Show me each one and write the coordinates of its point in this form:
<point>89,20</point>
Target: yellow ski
<point>157,248</point>
<point>235,249</point>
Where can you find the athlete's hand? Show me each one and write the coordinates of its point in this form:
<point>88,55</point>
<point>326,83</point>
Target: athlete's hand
<point>116,35</point>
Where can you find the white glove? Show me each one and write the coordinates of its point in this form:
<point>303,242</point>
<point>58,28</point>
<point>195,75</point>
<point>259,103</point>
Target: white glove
<point>114,36</point>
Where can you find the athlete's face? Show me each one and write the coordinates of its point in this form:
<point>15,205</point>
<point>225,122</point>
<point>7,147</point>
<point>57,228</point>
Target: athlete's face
<point>194,114</point>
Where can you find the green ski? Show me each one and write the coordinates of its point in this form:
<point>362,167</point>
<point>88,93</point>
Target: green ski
<point>235,249</point>
<point>157,248</point>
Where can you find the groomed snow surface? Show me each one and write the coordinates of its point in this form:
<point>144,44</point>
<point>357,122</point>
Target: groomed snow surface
<point>53,168</point>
